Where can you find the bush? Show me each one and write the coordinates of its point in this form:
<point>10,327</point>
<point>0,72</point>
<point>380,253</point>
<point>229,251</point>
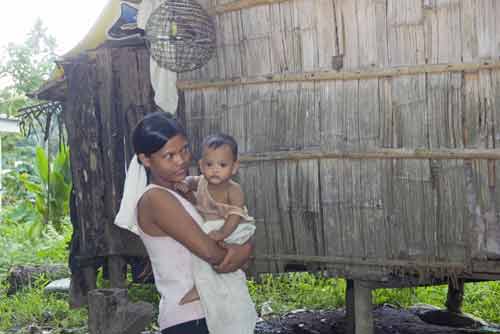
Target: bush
<point>33,306</point>
<point>18,247</point>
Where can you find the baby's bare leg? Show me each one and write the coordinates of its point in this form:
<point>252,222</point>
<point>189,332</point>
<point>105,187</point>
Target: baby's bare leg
<point>190,296</point>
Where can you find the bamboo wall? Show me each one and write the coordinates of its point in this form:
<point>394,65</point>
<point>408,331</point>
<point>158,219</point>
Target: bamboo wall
<point>367,128</point>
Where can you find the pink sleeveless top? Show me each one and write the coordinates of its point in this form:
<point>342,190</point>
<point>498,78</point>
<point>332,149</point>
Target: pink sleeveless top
<point>171,263</point>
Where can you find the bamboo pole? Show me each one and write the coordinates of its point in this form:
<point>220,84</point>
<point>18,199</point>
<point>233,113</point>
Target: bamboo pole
<point>240,4</point>
<point>358,261</point>
<point>335,75</point>
<point>438,154</point>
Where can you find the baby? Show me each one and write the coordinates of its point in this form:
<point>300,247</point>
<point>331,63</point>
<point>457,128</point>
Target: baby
<point>221,203</point>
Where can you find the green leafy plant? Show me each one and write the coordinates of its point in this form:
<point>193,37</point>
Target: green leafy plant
<point>17,248</point>
<point>49,187</point>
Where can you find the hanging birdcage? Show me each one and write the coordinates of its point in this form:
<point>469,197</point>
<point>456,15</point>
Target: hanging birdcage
<point>180,35</point>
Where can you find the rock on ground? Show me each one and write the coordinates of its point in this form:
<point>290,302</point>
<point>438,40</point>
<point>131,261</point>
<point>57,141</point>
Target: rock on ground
<point>24,276</point>
<point>60,285</point>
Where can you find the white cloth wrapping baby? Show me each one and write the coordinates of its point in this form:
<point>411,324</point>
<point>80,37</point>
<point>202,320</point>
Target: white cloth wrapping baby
<point>225,298</point>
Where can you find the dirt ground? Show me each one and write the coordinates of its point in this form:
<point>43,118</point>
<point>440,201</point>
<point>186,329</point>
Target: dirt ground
<point>388,320</point>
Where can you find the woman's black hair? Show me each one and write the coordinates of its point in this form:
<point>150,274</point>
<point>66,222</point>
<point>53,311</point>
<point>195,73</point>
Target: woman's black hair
<point>154,131</point>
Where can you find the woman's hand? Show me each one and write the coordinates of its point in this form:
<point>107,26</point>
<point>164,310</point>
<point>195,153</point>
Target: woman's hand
<point>236,257</point>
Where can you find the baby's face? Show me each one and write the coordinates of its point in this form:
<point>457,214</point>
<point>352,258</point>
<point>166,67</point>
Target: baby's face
<point>218,165</point>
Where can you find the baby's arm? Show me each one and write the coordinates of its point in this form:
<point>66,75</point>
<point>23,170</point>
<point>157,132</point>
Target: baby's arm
<point>235,198</point>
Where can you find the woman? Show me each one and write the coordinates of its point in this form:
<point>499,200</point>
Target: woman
<point>168,224</point>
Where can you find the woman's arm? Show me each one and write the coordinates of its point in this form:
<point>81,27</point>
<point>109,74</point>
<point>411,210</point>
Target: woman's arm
<point>237,256</point>
<point>168,214</point>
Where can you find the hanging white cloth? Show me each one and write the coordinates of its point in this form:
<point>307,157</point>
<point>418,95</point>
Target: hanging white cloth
<point>162,80</point>
<point>135,183</point>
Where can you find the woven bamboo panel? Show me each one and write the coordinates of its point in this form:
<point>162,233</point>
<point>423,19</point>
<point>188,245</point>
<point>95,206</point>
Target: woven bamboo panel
<point>423,210</point>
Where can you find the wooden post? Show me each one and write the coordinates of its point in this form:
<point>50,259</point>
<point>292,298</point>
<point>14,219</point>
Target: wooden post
<point>117,271</point>
<point>359,308</point>
<point>349,306</point>
<point>455,296</point>
<point>82,281</point>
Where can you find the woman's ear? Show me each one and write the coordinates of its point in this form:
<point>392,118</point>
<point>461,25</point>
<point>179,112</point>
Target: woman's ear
<point>144,160</point>
<point>236,167</point>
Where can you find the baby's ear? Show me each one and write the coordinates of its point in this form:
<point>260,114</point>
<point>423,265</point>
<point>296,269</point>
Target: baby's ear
<point>236,166</point>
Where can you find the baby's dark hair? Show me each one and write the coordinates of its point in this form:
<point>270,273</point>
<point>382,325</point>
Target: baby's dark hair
<point>217,140</point>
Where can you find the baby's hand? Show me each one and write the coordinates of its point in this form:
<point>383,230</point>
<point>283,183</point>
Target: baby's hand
<point>182,187</point>
<point>216,235</point>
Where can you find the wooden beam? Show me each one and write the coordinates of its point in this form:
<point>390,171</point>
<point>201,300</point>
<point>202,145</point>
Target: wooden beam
<point>335,75</point>
<point>486,267</point>
<point>389,153</point>
<point>240,4</point>
<point>410,264</point>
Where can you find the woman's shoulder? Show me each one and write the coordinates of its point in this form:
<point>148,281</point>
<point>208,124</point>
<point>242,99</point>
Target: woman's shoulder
<point>157,196</point>
<point>160,203</point>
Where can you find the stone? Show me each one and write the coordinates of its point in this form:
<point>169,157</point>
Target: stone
<point>111,312</point>
<point>422,308</point>
<point>24,276</point>
<point>60,285</point>
<point>451,319</point>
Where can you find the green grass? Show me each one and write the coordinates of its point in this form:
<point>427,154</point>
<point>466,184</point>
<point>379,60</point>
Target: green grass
<point>33,306</point>
<point>297,290</point>
<point>302,290</point>
<point>480,299</point>
<point>17,246</point>
<point>282,293</point>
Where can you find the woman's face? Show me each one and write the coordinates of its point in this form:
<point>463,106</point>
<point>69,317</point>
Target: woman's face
<point>169,164</point>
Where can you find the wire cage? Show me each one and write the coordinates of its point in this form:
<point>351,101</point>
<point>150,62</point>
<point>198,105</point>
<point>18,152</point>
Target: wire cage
<point>180,35</point>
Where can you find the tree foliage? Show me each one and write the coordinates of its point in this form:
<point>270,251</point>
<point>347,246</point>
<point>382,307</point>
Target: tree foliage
<point>25,67</point>
<point>36,183</point>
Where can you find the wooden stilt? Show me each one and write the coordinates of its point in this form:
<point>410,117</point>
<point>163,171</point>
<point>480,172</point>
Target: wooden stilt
<point>455,296</point>
<point>349,306</point>
<point>117,271</point>
<point>359,308</point>
<point>82,281</point>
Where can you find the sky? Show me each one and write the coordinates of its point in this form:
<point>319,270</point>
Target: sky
<point>67,20</point>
